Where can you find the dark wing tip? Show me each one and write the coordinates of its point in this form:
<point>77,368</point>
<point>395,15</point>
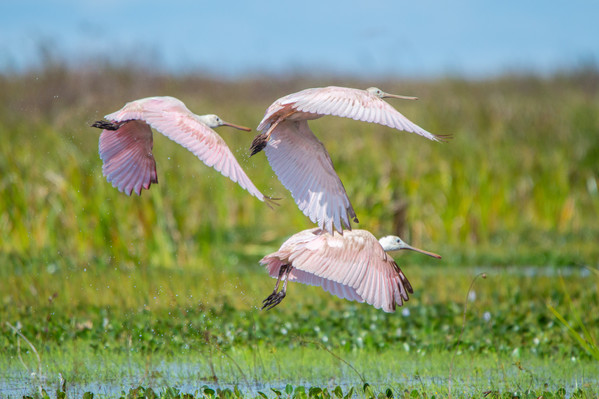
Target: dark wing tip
<point>405,282</point>
<point>258,144</point>
<point>107,125</point>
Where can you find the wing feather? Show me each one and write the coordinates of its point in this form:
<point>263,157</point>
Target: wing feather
<point>303,165</point>
<point>171,117</point>
<point>344,102</point>
<point>127,157</point>
<point>352,266</point>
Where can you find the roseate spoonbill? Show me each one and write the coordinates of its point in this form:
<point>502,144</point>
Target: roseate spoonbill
<point>126,143</point>
<point>301,161</point>
<point>354,266</point>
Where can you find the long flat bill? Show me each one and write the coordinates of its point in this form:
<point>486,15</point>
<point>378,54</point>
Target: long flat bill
<point>247,129</point>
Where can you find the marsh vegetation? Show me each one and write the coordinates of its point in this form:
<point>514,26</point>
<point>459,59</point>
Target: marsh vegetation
<point>163,290</point>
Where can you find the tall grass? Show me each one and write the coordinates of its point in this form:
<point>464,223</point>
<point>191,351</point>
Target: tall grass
<point>583,334</point>
<point>517,184</point>
<point>87,270</point>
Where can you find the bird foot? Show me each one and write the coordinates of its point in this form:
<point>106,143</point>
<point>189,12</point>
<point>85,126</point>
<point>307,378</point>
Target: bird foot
<point>270,201</point>
<point>107,125</point>
<point>273,300</point>
<point>258,143</point>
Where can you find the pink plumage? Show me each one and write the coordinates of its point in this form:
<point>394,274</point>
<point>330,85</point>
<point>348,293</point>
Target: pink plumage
<point>300,160</point>
<point>126,152</point>
<point>357,104</point>
<point>353,266</point>
<point>312,184</point>
<point>127,157</point>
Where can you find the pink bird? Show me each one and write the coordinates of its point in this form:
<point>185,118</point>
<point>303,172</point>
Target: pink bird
<point>126,143</point>
<point>301,161</point>
<point>353,266</point>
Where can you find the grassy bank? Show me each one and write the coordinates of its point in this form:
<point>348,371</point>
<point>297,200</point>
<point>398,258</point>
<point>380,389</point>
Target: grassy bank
<point>115,329</point>
<point>100,281</point>
<point>520,173</point>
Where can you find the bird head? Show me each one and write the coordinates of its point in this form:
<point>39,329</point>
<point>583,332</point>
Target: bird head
<point>394,243</point>
<point>213,121</point>
<point>381,94</point>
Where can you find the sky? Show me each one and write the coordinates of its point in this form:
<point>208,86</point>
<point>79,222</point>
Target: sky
<point>369,38</point>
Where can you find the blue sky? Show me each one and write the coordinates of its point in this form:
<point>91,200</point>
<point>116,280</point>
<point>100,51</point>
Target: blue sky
<point>354,38</point>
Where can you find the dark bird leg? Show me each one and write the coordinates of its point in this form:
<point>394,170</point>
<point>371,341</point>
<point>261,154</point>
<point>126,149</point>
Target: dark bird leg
<point>276,297</point>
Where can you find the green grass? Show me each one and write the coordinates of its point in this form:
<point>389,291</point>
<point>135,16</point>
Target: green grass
<point>99,281</point>
<point>577,327</point>
<point>261,369</point>
<point>159,327</point>
<point>520,173</point>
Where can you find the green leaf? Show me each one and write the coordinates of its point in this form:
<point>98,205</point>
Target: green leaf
<point>171,393</point>
<point>586,340</point>
<point>368,391</point>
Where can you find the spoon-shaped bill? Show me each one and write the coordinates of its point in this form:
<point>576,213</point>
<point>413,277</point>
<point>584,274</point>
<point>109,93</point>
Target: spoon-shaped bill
<point>388,95</point>
<point>422,251</point>
<point>247,129</point>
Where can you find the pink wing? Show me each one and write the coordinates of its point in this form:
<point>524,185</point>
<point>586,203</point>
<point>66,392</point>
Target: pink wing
<point>341,101</point>
<point>127,157</point>
<point>304,166</point>
<point>172,118</point>
<point>352,266</point>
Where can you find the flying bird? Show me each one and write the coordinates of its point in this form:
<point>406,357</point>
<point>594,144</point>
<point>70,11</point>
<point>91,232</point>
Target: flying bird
<point>353,266</point>
<point>126,143</point>
<point>301,161</point>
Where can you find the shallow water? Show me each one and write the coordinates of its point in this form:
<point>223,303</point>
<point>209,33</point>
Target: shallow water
<point>186,378</point>
<point>534,271</point>
<point>109,376</point>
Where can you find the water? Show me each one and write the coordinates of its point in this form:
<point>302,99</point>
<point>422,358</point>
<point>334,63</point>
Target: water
<point>190,378</point>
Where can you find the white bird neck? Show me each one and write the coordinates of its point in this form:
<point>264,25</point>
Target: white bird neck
<point>209,120</point>
<point>391,243</point>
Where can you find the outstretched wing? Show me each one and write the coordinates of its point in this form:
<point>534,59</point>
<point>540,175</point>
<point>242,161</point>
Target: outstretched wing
<point>304,166</point>
<point>345,102</point>
<point>127,157</point>
<point>171,117</point>
<point>352,266</point>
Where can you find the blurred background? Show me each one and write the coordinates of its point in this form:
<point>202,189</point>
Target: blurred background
<point>515,83</point>
<point>470,39</point>
<point>233,40</point>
